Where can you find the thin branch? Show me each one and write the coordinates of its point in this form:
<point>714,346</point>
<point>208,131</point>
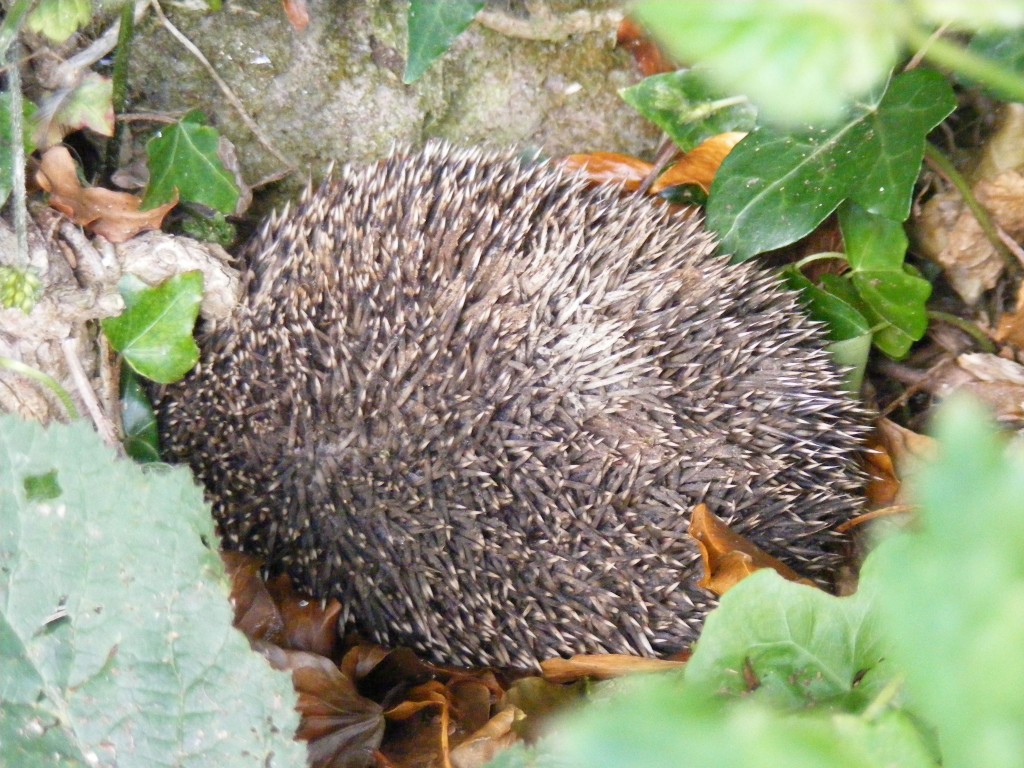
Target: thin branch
<point>224,87</point>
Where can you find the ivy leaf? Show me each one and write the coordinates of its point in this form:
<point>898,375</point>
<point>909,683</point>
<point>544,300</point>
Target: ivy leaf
<point>184,157</point>
<point>1005,48</point>
<point>892,297</point>
<point>433,27</point>
<point>154,333</point>
<point>141,437</point>
<point>689,110</point>
<point>775,187</point>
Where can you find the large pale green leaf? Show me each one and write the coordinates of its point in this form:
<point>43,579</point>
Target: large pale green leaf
<point>798,60</point>
<point>952,593</point>
<point>116,644</point>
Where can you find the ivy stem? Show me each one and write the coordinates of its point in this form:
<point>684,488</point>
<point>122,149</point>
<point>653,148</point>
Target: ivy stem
<point>19,202</point>
<point>971,329</point>
<point>48,381</point>
<point>12,24</point>
<point>965,62</point>
<point>945,166</point>
<point>120,87</point>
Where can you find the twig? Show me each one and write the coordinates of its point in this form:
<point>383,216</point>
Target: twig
<point>945,166</point>
<point>224,87</point>
<point>551,28</point>
<point>103,424</point>
<point>971,329</point>
<point>119,80</point>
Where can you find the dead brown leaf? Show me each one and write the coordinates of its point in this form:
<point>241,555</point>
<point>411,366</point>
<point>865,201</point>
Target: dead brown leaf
<point>494,736</point>
<point>602,666</point>
<point>342,727</point>
<point>256,614</point>
<point>114,215</point>
<point>728,557</point>
<point>633,38</point>
<point>700,165</point>
<point>297,13</point>
<point>609,168</point>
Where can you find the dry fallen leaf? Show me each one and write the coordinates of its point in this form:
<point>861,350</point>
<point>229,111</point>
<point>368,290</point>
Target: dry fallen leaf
<point>947,232</point>
<point>602,667</point>
<point>342,727</point>
<point>297,12</point>
<point>114,215</point>
<point>609,168</point>
<point>728,557</point>
<point>700,165</point>
<point>494,736</point>
<point>633,38</point>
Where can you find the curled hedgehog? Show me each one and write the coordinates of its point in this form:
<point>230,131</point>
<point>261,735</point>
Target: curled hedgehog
<point>476,400</point>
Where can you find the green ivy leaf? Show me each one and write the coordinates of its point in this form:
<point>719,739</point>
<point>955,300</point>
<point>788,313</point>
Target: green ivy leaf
<point>59,19</point>
<point>799,60</point>
<point>141,437</point>
<point>154,333</point>
<point>1005,48</point>
<point>776,187</point>
<point>116,644</point>
<point>184,157</point>
<point>433,27</point>
<point>684,106</point>
<point>894,299</point>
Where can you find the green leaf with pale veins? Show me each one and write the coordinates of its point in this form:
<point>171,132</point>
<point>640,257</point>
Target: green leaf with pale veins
<point>116,644</point>
<point>184,157</point>
<point>154,333</point>
<point>799,60</point>
<point>433,27</point>
<point>775,187</point>
<point>951,592</point>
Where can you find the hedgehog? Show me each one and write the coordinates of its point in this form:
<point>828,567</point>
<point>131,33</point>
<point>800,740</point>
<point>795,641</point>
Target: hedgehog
<point>476,399</point>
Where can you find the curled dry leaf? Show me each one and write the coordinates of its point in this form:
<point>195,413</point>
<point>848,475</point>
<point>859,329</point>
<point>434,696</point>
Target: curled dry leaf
<point>309,625</point>
<point>343,728</point>
<point>494,736</point>
<point>256,613</point>
<point>602,667</point>
<point>728,557</point>
<point>947,232</point>
<point>114,215</point>
<point>994,380</point>
<point>700,165</point>
<point>883,485</point>
<point>609,168</point>
<point>632,38</point>
<point>297,13</point>
<point>1010,327</point>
